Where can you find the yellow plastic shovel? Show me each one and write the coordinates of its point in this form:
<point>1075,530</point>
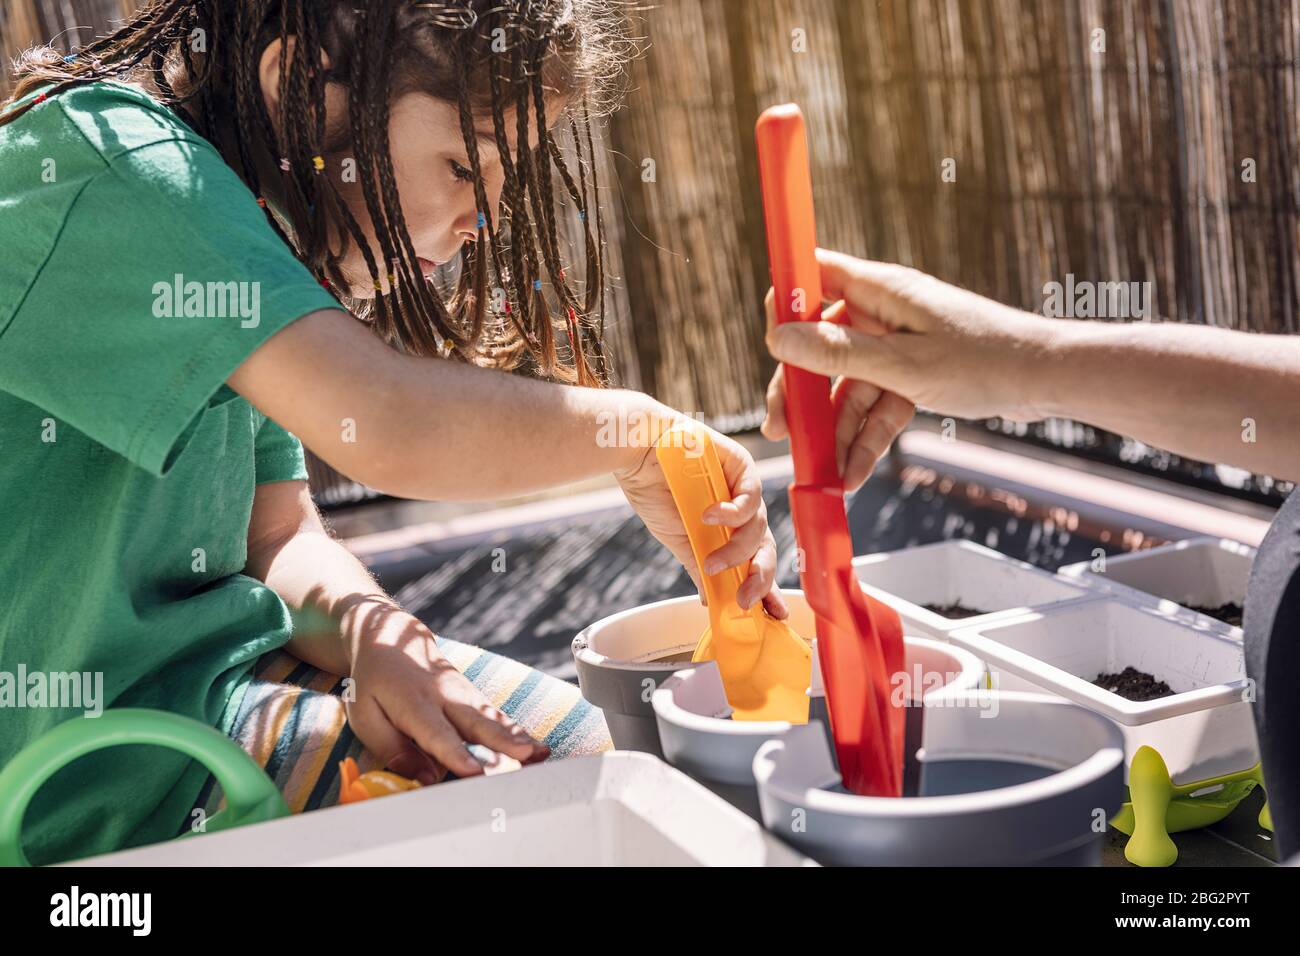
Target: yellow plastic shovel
<point>765,666</point>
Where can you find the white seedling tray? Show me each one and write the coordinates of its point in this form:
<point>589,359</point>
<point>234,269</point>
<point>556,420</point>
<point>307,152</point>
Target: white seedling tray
<point>960,572</point>
<point>614,809</point>
<point>1197,572</point>
<point>1204,729</point>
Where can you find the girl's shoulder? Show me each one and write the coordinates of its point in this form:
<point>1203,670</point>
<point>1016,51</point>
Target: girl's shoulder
<point>109,117</point>
<point>119,138</point>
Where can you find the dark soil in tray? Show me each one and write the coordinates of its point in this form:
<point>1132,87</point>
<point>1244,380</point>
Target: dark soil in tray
<point>955,611</point>
<point>1227,613</point>
<point>1133,684</point>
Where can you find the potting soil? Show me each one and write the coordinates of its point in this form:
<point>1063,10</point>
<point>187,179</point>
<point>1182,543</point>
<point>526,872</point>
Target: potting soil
<point>1229,613</point>
<point>1133,684</point>
<point>955,611</point>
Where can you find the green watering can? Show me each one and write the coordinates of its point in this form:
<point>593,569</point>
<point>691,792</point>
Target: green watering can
<point>251,796</point>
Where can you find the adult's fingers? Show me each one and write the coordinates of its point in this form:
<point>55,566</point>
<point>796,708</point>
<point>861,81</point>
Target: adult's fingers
<point>774,427</point>
<point>851,399</point>
<point>885,422</point>
<point>877,292</point>
<point>837,351</point>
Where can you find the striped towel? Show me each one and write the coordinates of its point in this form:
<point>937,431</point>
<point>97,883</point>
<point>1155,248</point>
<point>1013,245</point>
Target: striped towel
<point>291,719</point>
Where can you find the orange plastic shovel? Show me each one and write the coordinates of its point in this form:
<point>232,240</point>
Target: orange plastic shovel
<point>765,666</point>
<point>859,639</point>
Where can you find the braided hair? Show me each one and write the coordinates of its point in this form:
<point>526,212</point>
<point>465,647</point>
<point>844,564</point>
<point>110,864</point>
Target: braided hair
<point>497,58</point>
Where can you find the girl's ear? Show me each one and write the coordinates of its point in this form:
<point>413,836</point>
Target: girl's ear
<point>268,71</point>
<point>268,75</point>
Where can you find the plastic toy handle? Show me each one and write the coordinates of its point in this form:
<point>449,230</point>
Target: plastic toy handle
<point>1150,791</point>
<point>695,477</point>
<point>251,796</point>
<point>797,285</point>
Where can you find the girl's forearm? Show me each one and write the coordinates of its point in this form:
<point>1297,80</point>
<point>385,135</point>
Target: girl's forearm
<point>333,597</point>
<point>430,429</point>
<point>493,435</point>
<point>1206,393</point>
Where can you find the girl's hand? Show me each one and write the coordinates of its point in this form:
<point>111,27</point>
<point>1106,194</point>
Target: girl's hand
<point>909,340</point>
<point>647,491</point>
<point>414,710</point>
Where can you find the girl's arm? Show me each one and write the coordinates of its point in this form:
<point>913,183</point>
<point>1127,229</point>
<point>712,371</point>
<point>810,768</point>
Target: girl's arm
<point>407,702</point>
<point>425,429</point>
<point>1209,394</point>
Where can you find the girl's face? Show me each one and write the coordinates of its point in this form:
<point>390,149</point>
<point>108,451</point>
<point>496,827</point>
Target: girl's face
<point>435,183</point>
<point>431,167</point>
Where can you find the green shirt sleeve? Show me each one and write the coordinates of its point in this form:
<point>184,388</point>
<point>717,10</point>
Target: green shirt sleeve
<point>165,276</point>
<point>279,454</point>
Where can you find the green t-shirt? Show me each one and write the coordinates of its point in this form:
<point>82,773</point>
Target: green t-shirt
<point>136,273</point>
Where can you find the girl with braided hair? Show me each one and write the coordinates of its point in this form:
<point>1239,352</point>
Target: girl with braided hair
<point>197,210</point>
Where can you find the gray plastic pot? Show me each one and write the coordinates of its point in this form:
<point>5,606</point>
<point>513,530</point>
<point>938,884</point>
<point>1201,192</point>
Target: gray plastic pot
<point>1058,819</point>
<point>699,738</point>
<point>617,670</point>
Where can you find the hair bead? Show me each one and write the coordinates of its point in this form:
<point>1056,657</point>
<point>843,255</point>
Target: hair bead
<point>318,163</point>
<point>284,163</point>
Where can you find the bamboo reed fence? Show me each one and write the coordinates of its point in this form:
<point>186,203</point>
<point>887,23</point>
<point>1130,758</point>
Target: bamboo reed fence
<point>999,144</point>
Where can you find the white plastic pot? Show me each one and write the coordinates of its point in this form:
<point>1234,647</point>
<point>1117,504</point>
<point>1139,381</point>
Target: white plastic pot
<point>1198,572</point>
<point>614,809</point>
<point>1203,730</point>
<point>619,664</point>
<point>960,572</point>
<point>699,738</point>
<point>1061,765</point>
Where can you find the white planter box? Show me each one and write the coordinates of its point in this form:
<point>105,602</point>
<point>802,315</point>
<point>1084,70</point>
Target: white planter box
<point>615,809</point>
<point>960,572</point>
<point>1204,729</point>
<point>617,661</point>
<point>1198,572</point>
<point>698,737</point>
